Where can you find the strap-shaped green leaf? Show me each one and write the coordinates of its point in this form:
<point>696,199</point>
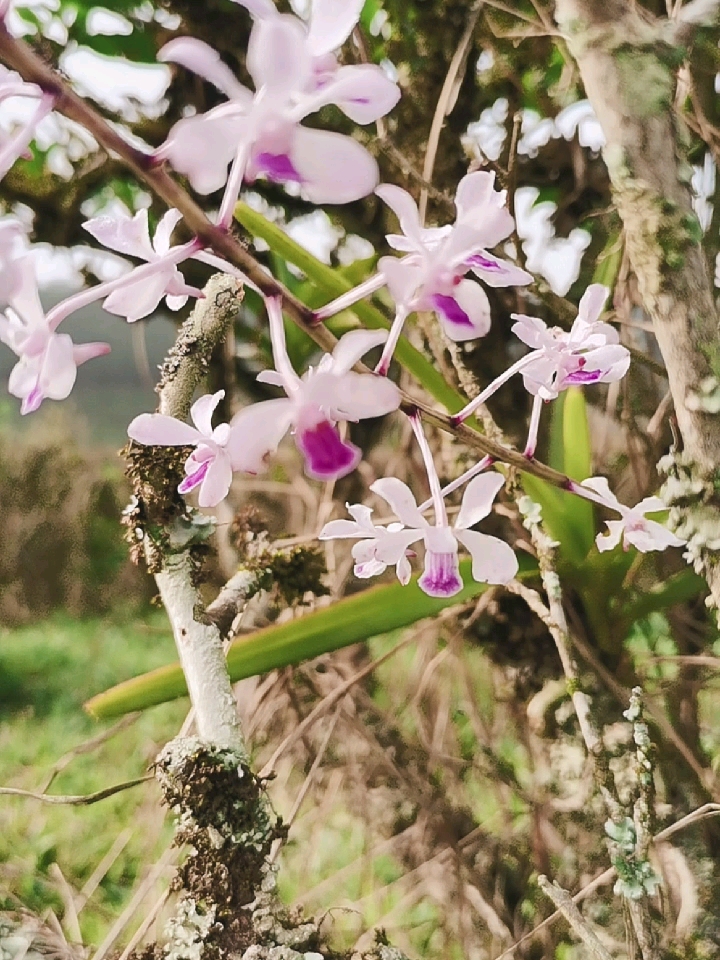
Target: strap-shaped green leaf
<point>368,614</point>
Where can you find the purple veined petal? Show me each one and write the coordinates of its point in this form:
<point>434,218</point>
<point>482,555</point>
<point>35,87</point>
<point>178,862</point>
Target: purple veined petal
<point>82,352</point>
<point>331,23</point>
<point>203,147</point>
<point>217,480</point>
<point>196,472</point>
<point>466,314</point>
<point>352,346</point>
<point>493,560</point>
<point>580,377</point>
<point>128,235</point>
<point>496,272</point>
<point>401,500</point>
<point>341,530</point>
<point>609,363</point>
<point>611,539</point>
<point>256,431</point>
<point>648,535</point>
<point>404,208</point>
<point>334,168</point>
<point>163,234</point>
<point>441,574</point>
<point>592,302</point>
<point>363,92</point>
<point>157,430</point>
<point>139,299</point>
<point>278,59</point>
<point>478,499</point>
<point>24,299</point>
<point>201,412</point>
<point>326,455</point>
<point>403,277</point>
<point>202,59</point>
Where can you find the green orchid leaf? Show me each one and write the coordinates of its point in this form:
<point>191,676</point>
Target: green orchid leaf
<point>352,620</point>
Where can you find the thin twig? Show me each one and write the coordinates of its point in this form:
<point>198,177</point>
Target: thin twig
<point>79,801</point>
<point>565,904</point>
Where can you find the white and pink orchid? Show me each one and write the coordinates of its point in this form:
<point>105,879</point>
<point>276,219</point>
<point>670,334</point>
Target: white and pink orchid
<point>16,145</point>
<point>209,466</point>
<point>633,528</point>
<point>47,361</point>
<point>432,275</point>
<point>315,403</point>
<point>139,292</point>
<point>13,248</point>
<point>493,561</point>
<point>261,133</point>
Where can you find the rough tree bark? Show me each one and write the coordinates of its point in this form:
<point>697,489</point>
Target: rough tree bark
<point>628,64</point>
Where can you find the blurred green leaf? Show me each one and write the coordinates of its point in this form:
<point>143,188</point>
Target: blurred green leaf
<point>351,620</point>
<point>680,588</point>
<point>577,464</point>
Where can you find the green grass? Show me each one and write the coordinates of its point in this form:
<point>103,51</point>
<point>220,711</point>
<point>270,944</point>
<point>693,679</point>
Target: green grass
<point>46,672</point>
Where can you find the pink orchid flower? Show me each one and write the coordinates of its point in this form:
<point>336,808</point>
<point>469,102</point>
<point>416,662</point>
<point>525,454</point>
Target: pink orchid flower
<point>315,403</point>
<point>261,133</point>
<point>493,561</point>
<point>139,293</point>
<point>432,274</point>
<point>16,145</point>
<point>634,529</point>
<point>209,466</point>
<point>48,361</point>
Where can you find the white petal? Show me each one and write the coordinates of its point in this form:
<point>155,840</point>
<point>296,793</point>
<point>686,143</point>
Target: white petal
<point>611,539</point>
<point>593,301</point>
<point>138,299</point>
<point>333,168</point>
<point>24,299</point>
<point>404,208</point>
<point>341,529</point>
<point>391,547</point>
<point>163,234</point>
<point>478,499</point>
<point>128,235</point>
<point>652,536</point>
<point>493,561</point>
<point>353,346</point>
<point>362,515</point>
<point>256,431</point>
<point>272,377</point>
<point>155,429</point>
<point>355,396</point>
<point>331,22</point>
<point>278,58</point>
<point>403,570</point>
<point>601,486</point>
<point>496,272</point>
<point>217,480</point>
<point>58,370</point>
<point>402,276</point>
<point>401,500</point>
<point>203,60</point>
<point>531,330</point>
<point>362,91</point>
<point>474,193</point>
<point>201,412</point>
<point>649,505</point>
<point>202,147</point>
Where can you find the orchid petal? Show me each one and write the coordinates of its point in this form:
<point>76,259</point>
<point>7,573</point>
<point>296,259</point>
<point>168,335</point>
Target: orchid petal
<point>362,516</point>
<point>137,299</point>
<point>403,277</point>
<point>333,168</point>
<point>474,193</point>
<point>201,412</point>
<point>155,429</point>
<point>128,235</point>
<point>651,536</point>
<point>82,352</point>
<point>369,568</point>
<point>466,314</point>
<point>164,231</point>
<point>401,500</point>
<point>353,346</point>
<point>217,481</point>
<point>531,330</point>
<point>649,505</point>
<point>391,547</point>
<point>404,208</point>
<point>496,272</point>
<point>256,431</point>
<point>341,529</point>
<point>403,570</point>
<point>610,540</point>
<point>493,560</point>
<point>327,456</point>
<point>478,499</point>
<point>362,91</point>
<point>350,396</point>
<point>601,486</point>
<point>278,58</point>
<point>57,371</point>
<point>592,302</point>
<point>203,60</point>
<point>202,147</point>
<point>176,303</point>
<point>331,23</point>
<point>25,299</point>
<point>272,377</point>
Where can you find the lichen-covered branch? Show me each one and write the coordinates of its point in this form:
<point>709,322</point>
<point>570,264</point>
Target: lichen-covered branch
<point>629,67</point>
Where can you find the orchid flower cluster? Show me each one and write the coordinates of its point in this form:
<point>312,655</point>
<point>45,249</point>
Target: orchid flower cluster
<point>259,133</point>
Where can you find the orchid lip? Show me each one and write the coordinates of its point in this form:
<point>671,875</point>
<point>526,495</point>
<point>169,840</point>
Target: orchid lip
<point>196,478</point>
<point>451,309</point>
<point>278,167</point>
<point>327,457</point>
<point>584,376</point>
<point>441,577</point>
<point>478,260</point>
